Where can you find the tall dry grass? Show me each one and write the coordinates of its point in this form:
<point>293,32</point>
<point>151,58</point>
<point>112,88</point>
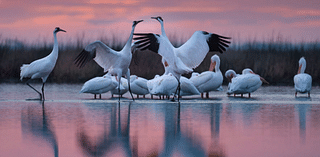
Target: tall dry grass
<point>276,61</point>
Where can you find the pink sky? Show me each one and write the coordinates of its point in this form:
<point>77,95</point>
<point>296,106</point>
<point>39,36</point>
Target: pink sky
<point>34,21</point>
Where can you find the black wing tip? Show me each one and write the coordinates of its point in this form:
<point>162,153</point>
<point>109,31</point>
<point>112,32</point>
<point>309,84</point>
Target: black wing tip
<point>147,41</point>
<point>220,36</point>
<point>82,59</point>
<point>142,34</point>
<point>217,42</point>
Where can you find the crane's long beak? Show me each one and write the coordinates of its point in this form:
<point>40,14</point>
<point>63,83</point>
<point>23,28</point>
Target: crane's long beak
<point>61,30</point>
<point>136,22</point>
<point>299,71</point>
<point>154,17</point>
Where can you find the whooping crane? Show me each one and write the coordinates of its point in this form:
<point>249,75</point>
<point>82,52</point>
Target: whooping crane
<point>42,68</point>
<point>188,56</point>
<point>116,63</point>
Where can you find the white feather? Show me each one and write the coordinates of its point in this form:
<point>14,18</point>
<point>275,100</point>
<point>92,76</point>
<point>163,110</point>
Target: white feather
<point>139,85</point>
<point>187,87</point>
<point>208,80</point>
<point>123,87</point>
<point>245,83</point>
<point>164,85</point>
<point>99,85</point>
<point>302,81</point>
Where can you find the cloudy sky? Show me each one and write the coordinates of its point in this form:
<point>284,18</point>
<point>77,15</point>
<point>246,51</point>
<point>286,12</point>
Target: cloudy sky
<point>34,21</point>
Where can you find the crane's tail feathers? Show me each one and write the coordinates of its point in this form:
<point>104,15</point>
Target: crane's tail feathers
<point>23,70</point>
<point>82,59</point>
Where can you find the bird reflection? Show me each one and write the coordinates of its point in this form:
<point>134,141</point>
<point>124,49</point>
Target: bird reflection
<point>39,127</point>
<point>248,111</point>
<point>116,136</point>
<point>215,148</point>
<point>302,110</point>
<point>179,143</point>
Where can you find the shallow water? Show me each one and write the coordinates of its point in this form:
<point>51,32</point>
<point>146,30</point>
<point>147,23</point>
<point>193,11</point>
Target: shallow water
<point>271,123</point>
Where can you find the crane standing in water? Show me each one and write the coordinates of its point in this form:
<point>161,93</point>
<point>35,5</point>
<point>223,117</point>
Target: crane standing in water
<point>42,68</point>
<point>116,63</point>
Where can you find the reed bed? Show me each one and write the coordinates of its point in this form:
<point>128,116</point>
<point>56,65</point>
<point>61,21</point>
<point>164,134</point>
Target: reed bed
<point>276,61</point>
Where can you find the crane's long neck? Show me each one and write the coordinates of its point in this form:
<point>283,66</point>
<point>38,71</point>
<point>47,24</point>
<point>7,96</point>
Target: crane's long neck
<point>54,54</point>
<point>163,34</point>
<point>128,44</point>
<point>162,29</point>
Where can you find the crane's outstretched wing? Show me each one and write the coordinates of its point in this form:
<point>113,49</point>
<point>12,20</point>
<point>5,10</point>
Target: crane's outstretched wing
<point>99,52</point>
<point>156,43</point>
<point>200,43</point>
<point>147,41</point>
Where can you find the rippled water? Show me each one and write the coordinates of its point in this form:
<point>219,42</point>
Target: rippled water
<point>271,123</point>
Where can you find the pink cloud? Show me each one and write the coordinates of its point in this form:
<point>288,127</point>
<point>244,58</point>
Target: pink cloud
<point>288,12</point>
<point>181,18</point>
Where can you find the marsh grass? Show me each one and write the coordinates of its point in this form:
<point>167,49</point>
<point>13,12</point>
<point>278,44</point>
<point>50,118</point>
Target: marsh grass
<point>275,60</point>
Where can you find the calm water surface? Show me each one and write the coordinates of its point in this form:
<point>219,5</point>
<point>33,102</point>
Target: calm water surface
<point>271,123</point>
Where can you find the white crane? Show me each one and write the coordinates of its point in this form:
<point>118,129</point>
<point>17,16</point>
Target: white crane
<point>42,68</point>
<point>302,81</point>
<point>116,63</point>
<point>209,80</point>
<point>188,56</point>
<point>99,85</point>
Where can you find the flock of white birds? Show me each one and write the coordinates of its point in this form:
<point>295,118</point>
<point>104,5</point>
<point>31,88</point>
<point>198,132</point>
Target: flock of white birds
<point>176,61</point>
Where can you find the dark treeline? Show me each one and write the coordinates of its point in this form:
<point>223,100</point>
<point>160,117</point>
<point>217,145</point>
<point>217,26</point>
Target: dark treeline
<point>277,61</point>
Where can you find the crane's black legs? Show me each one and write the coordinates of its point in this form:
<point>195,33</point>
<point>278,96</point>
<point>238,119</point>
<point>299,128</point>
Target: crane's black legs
<point>42,89</point>
<point>130,91</point>
<point>119,89</point>
<point>177,90</point>
<point>37,90</point>
<point>128,79</point>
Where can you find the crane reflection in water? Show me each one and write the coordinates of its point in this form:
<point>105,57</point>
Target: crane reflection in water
<point>119,137</point>
<point>36,124</point>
